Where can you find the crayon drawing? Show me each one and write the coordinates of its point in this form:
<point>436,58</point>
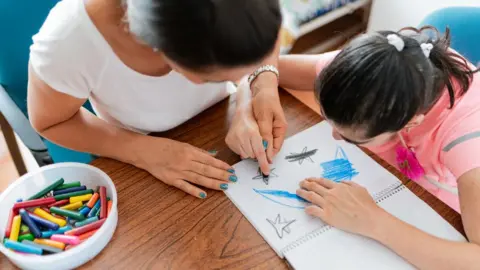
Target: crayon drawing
<point>283,198</point>
<point>264,178</point>
<point>300,157</point>
<point>280,226</point>
<point>339,169</point>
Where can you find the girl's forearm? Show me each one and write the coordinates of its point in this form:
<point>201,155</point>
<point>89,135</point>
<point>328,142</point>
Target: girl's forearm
<point>424,250</point>
<point>297,72</point>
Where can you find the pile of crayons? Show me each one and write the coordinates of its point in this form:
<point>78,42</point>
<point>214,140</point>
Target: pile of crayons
<point>57,218</point>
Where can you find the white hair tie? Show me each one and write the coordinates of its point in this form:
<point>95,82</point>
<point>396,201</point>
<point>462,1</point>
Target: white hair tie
<point>426,48</point>
<point>396,41</point>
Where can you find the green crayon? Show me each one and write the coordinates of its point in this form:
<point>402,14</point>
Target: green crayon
<point>72,194</point>
<point>46,190</point>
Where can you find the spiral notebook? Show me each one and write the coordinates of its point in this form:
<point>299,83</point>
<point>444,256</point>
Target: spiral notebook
<point>276,212</point>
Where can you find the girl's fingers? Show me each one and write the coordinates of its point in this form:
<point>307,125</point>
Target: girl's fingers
<point>213,172</point>
<point>315,211</point>
<point>312,197</point>
<point>324,182</point>
<point>260,154</point>
<point>314,187</point>
<point>204,181</point>
<point>189,188</point>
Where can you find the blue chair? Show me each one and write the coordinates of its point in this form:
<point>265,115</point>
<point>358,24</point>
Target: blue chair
<point>19,21</point>
<point>464,24</point>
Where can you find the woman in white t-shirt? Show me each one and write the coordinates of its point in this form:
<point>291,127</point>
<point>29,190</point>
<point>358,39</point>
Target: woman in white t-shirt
<point>148,66</point>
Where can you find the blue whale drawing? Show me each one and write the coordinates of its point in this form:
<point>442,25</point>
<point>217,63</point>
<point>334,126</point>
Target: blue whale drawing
<point>283,197</point>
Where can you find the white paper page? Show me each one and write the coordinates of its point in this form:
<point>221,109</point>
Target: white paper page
<point>274,210</point>
<point>335,249</point>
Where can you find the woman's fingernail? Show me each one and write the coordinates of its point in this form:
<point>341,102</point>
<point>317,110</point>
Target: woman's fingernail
<point>265,144</point>
<point>224,186</point>
<point>203,195</point>
<point>233,178</point>
<point>231,171</point>
<point>213,152</point>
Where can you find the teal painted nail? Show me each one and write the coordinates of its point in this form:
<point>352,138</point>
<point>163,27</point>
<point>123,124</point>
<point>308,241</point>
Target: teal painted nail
<point>203,195</point>
<point>224,186</point>
<point>233,178</point>
<point>231,171</point>
<point>213,152</point>
<point>265,144</point>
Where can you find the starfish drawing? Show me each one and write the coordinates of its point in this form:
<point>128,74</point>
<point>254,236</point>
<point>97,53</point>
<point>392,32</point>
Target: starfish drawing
<point>265,178</point>
<point>281,226</point>
<point>300,157</point>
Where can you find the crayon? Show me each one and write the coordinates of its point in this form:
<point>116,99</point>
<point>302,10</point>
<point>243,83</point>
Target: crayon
<point>8,229</point>
<point>69,190</point>
<point>86,221</point>
<point>72,194</point>
<point>97,214</point>
<point>67,213</point>
<point>46,190</point>
<point>68,185</point>
<point>69,247</point>
<point>17,220</point>
<point>33,203</point>
<point>45,209</point>
<point>67,239</point>
<point>81,198</point>
<point>87,235</point>
<point>72,206</point>
<point>93,200</point>
<point>109,207</point>
<point>39,212</point>
<point>86,228</point>
<point>24,229</point>
<point>59,203</point>
<point>85,211</point>
<point>61,230</point>
<point>103,202</point>
<point>60,217</point>
<point>51,243</point>
<point>27,236</point>
<point>30,223</point>
<point>22,247</point>
<point>43,222</point>
<point>94,210</point>
<point>45,248</point>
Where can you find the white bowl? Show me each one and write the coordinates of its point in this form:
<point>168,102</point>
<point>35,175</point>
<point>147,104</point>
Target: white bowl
<point>33,182</point>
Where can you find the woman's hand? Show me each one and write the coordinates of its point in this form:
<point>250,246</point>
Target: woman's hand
<point>244,136</point>
<point>346,205</point>
<point>183,166</point>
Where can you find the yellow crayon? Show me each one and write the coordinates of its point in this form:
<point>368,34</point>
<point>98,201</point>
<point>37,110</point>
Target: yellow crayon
<point>72,206</point>
<point>17,220</point>
<point>49,242</point>
<point>80,198</point>
<point>43,214</point>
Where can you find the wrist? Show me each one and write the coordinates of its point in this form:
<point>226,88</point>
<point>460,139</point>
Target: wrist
<point>266,80</point>
<point>380,224</point>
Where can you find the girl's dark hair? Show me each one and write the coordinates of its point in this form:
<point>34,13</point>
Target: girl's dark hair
<point>372,85</point>
<point>198,34</point>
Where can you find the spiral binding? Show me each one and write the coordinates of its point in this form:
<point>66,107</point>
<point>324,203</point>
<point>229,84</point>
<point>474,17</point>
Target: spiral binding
<point>377,197</point>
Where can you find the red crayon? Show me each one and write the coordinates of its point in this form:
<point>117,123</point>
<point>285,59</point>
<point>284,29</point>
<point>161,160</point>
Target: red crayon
<point>45,209</point>
<point>103,202</point>
<point>90,227</point>
<point>34,203</point>
<point>59,203</point>
<point>8,229</point>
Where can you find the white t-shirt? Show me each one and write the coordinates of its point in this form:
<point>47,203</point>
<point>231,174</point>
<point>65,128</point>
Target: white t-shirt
<point>71,56</point>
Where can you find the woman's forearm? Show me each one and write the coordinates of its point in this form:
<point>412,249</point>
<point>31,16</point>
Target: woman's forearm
<point>423,250</point>
<point>86,132</point>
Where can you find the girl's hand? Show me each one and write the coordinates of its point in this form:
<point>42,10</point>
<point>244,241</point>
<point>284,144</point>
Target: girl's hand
<point>346,206</point>
<point>183,166</point>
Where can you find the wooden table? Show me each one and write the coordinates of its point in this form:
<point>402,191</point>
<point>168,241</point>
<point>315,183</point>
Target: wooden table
<point>161,227</point>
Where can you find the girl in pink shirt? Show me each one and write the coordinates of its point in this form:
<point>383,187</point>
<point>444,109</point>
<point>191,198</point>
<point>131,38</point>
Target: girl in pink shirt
<point>415,102</point>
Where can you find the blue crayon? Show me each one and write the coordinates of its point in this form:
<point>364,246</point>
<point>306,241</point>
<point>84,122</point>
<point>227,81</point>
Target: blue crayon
<point>68,190</point>
<point>30,224</point>
<point>94,210</point>
<point>85,210</point>
<point>43,222</point>
<point>62,230</point>
<point>45,248</point>
<point>19,200</point>
<point>86,221</point>
<point>22,247</point>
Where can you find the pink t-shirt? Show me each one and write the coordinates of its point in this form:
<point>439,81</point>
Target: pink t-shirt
<point>447,143</point>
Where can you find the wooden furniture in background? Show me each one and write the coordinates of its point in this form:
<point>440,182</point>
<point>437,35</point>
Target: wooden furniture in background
<point>12,144</point>
<point>160,227</point>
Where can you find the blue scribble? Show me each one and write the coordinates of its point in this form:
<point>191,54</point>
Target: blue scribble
<point>339,169</point>
<point>275,195</point>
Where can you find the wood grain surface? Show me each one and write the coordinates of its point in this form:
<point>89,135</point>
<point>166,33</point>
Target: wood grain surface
<point>161,227</point>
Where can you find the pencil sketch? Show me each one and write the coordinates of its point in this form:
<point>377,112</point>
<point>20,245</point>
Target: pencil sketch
<point>283,198</point>
<point>280,226</point>
<point>300,157</point>
<point>339,169</point>
<point>265,178</point>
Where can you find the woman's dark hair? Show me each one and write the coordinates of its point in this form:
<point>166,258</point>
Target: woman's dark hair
<point>372,85</point>
<point>198,34</point>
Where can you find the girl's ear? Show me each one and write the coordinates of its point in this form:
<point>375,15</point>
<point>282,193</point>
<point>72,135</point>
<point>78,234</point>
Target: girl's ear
<point>416,120</point>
